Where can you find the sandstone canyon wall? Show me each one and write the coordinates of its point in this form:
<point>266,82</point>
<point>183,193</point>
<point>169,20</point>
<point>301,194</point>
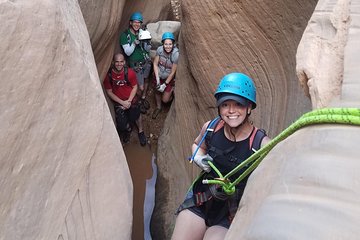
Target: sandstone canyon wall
<point>308,186</point>
<point>63,173</point>
<point>217,37</point>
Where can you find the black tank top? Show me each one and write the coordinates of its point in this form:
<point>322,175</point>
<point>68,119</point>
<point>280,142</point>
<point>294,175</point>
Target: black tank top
<point>228,154</point>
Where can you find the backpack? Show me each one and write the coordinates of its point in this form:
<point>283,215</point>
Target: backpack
<point>117,82</point>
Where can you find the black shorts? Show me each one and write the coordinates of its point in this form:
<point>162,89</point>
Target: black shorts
<point>200,211</point>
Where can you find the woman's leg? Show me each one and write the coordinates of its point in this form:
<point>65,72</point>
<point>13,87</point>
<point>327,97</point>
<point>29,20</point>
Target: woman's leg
<point>158,99</point>
<point>167,96</point>
<point>157,110</point>
<point>215,233</point>
<point>188,226</point>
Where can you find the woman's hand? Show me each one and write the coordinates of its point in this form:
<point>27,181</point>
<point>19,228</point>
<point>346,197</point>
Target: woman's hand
<point>161,87</point>
<point>202,161</point>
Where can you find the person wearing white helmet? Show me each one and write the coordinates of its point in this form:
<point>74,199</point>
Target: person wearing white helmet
<point>226,141</point>
<point>136,46</point>
<point>165,65</point>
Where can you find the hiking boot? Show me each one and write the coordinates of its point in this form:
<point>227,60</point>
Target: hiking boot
<point>156,113</point>
<point>142,138</point>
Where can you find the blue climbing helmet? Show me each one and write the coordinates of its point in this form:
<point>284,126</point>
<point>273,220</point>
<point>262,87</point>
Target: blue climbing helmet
<point>137,16</point>
<point>167,35</point>
<point>238,87</point>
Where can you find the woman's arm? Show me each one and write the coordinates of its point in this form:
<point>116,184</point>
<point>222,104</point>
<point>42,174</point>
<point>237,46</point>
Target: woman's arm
<point>202,149</point>
<point>265,141</point>
<point>156,69</point>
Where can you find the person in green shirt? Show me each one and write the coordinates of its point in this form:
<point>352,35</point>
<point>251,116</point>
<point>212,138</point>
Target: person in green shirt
<point>137,51</point>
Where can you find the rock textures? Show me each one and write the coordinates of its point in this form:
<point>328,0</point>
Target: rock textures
<point>63,172</point>
<point>217,37</point>
<point>306,187</point>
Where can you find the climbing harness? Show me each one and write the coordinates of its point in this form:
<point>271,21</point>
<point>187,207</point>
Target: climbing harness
<point>215,191</point>
<point>350,116</point>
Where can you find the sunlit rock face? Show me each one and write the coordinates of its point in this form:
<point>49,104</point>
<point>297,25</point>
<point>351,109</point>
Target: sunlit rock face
<point>307,187</point>
<point>327,59</point>
<point>63,173</point>
<point>257,38</point>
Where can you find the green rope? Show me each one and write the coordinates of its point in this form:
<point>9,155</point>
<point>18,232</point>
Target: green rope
<point>349,116</point>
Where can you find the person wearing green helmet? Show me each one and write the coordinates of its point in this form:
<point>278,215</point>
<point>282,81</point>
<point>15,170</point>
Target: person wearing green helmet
<point>136,49</point>
<point>165,65</point>
<point>226,141</point>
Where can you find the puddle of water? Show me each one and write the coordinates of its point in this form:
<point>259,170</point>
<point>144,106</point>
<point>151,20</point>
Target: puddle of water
<point>139,160</point>
<point>149,202</point>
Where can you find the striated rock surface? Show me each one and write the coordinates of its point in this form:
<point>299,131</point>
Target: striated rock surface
<point>63,173</point>
<point>102,20</point>
<point>257,38</point>
<point>307,187</point>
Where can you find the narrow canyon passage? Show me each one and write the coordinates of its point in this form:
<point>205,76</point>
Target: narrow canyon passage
<point>139,160</point>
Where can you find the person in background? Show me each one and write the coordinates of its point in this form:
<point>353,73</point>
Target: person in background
<point>121,86</point>
<point>207,211</point>
<point>165,65</point>
<point>137,53</point>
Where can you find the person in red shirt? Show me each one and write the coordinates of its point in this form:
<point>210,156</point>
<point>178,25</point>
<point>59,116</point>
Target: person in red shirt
<point>121,86</point>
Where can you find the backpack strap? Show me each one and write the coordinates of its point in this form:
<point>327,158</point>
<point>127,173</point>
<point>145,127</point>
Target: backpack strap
<point>208,129</point>
<point>213,126</point>
<point>110,77</point>
<point>256,138</point>
<point>126,75</point>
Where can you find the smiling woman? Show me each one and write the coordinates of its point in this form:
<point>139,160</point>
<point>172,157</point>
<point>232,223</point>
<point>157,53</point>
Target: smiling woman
<point>165,66</point>
<point>207,210</point>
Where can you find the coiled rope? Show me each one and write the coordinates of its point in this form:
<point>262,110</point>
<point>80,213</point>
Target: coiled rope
<point>347,116</point>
